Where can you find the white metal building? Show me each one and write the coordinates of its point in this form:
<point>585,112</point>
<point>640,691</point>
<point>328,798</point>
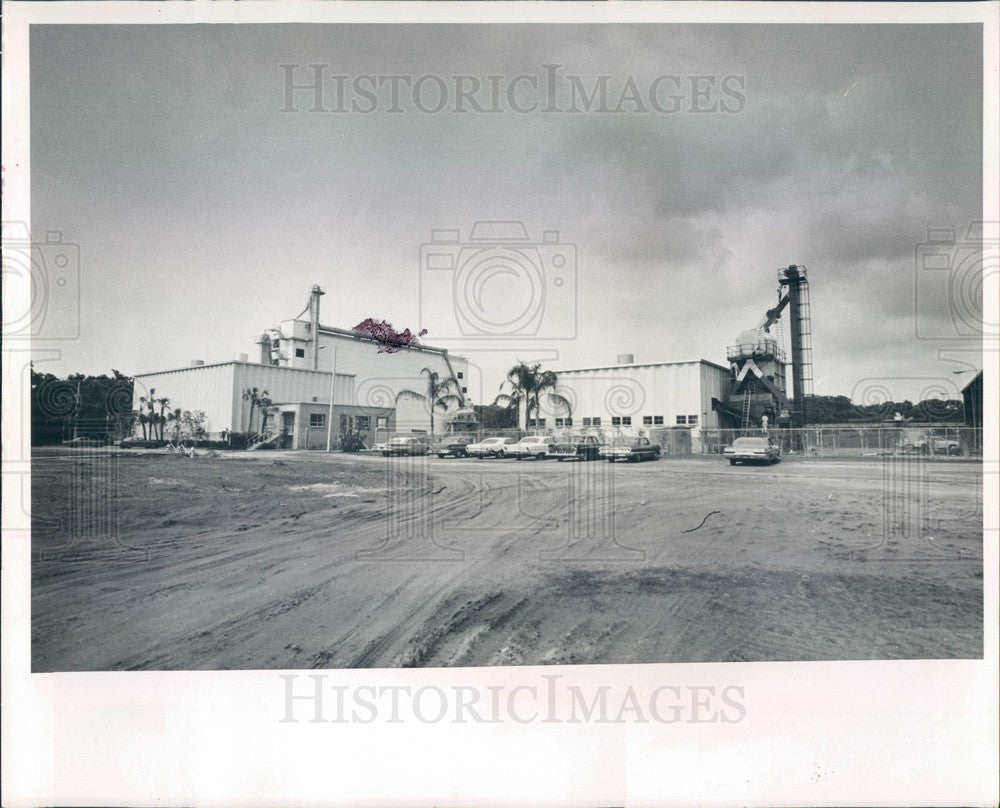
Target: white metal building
<point>632,395</point>
<point>302,364</point>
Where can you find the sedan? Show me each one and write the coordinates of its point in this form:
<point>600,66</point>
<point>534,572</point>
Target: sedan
<point>406,446</point>
<point>631,449</point>
<point>581,447</point>
<point>752,450</point>
<point>456,446</point>
<point>536,446</point>
<point>489,447</point>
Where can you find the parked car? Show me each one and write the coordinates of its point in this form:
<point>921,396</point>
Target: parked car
<point>490,447</point>
<point>631,449</point>
<point>406,446</point>
<point>581,447</point>
<point>935,444</point>
<point>951,446</point>
<point>454,446</point>
<point>536,446</point>
<point>752,450</point>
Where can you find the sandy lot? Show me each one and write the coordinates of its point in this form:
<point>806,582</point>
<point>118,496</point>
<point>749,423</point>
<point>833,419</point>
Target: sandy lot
<point>305,560</point>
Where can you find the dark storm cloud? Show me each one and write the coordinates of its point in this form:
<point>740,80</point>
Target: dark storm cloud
<point>851,143</point>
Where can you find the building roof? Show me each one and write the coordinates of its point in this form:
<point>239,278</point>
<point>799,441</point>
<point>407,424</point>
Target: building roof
<point>643,365</point>
<point>233,362</point>
<point>973,380</point>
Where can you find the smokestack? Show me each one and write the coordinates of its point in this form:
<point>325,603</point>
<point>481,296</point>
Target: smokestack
<point>314,297</point>
<point>626,359</point>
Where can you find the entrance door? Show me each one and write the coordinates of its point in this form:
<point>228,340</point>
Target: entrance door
<point>288,440</point>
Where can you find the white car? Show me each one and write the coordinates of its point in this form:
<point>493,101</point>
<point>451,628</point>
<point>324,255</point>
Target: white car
<point>536,446</point>
<point>489,447</point>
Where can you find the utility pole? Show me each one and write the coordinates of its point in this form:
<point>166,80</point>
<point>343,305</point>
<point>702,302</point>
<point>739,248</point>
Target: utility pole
<point>329,416</point>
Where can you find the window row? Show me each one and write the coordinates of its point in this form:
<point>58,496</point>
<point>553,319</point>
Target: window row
<point>361,423</point>
<point>623,420</point>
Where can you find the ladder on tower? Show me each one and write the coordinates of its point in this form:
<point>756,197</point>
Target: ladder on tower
<point>745,420</point>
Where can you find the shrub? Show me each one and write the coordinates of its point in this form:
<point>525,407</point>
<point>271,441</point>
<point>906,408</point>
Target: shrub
<point>352,443</point>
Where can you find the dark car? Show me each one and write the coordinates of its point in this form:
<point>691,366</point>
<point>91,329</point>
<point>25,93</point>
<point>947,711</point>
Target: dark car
<point>456,446</point>
<point>631,449</point>
<point>580,447</point>
<point>401,446</point>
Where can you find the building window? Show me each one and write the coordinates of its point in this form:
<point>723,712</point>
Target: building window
<point>682,419</point>
<point>460,375</point>
<point>658,420</point>
<point>692,420</point>
<point>586,421</point>
<point>567,422</point>
<point>381,421</point>
<point>647,420</point>
<point>465,389</point>
<point>536,422</point>
<point>362,423</point>
<point>626,420</point>
<point>300,352</point>
<point>317,419</point>
<point>596,421</point>
<point>616,420</point>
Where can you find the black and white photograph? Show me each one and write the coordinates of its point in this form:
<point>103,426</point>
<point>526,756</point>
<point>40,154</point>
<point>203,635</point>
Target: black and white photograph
<point>354,344</point>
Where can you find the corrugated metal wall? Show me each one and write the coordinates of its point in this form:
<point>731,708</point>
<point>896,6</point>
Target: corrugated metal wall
<point>285,386</point>
<point>715,383</point>
<point>206,387</point>
<point>666,390</point>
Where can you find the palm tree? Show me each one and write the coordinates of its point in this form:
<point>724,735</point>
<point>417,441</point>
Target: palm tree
<point>439,393</point>
<point>266,407</point>
<point>254,395</point>
<point>528,383</point>
<point>140,416</point>
<point>161,418</point>
<point>149,403</point>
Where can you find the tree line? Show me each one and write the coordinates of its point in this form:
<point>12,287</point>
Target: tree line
<point>100,408</point>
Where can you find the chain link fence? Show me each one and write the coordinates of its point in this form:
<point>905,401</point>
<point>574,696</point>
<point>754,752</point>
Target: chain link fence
<point>857,441</point>
<point>820,441</point>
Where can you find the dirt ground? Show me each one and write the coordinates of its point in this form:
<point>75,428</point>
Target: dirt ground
<point>147,561</point>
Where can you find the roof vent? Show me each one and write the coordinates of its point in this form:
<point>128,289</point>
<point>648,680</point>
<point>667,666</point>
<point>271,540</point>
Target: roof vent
<point>626,359</point>
<point>197,363</point>
<point>244,357</point>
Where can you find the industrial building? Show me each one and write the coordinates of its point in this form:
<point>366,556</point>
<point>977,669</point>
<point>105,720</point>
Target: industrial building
<point>759,390</point>
<point>632,395</point>
<point>749,393</point>
<point>323,382</point>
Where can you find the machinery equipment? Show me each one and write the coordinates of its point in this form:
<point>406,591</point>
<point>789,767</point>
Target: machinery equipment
<point>759,385</point>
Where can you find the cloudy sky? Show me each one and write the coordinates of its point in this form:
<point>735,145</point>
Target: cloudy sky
<point>204,212</point>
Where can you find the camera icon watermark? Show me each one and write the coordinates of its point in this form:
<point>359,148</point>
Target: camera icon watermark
<point>498,284</point>
<point>42,280</point>
<point>954,274</point>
